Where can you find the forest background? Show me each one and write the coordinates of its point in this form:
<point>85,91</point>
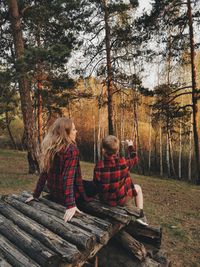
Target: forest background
<point>88,60</point>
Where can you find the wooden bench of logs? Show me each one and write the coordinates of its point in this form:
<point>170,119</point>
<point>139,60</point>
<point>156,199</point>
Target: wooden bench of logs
<point>35,234</point>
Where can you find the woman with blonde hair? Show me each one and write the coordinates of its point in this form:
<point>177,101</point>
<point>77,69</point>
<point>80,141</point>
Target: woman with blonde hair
<point>60,167</point>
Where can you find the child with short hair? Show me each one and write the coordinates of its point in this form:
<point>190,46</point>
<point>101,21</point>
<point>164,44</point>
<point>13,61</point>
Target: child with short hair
<point>113,180</point>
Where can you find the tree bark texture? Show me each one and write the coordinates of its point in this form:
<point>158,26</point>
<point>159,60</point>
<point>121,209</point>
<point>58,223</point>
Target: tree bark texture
<point>195,94</point>
<point>86,225</point>
<point>68,252</point>
<point>69,232</point>
<point>29,245</point>
<point>24,86</point>
<point>132,245</point>
<point>109,68</point>
<point>13,255</point>
<point>148,234</point>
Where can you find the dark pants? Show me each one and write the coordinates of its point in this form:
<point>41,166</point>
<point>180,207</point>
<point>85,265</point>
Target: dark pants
<point>90,188</point>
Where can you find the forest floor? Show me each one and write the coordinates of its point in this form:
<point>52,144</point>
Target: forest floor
<point>172,204</point>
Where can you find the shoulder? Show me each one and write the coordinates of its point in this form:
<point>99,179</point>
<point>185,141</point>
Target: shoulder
<point>71,151</point>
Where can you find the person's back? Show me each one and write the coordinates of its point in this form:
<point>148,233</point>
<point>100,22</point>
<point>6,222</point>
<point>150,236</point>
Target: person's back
<point>112,177</point>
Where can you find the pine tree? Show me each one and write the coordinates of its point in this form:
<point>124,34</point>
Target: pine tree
<point>108,26</point>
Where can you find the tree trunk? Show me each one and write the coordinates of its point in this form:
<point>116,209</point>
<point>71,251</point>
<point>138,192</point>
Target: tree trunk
<point>109,69</point>
<point>171,154</point>
<point>39,113</point>
<point>190,153</point>
<point>180,151</point>
<point>168,156</point>
<point>195,93</point>
<point>9,130</point>
<point>137,137</point>
<point>94,139</point>
<point>122,118</point>
<point>24,89</point>
<point>99,131</point>
<point>39,89</point>
<point>161,153</point>
<point>150,137</point>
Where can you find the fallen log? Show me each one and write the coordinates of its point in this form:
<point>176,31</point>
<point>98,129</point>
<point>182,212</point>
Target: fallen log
<point>133,246</point>
<point>133,211</point>
<point>65,230</point>
<point>161,258</point>
<point>148,234</point>
<point>90,219</point>
<point>29,245</point>
<point>13,255</point>
<point>83,222</point>
<point>104,211</point>
<point>68,251</point>
<point>3,261</point>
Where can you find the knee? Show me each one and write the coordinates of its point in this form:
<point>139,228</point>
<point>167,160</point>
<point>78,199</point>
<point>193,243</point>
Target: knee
<point>138,188</point>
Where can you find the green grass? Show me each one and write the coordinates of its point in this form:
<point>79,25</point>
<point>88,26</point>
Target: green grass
<point>172,204</point>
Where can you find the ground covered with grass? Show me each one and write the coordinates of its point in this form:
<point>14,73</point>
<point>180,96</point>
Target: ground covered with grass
<point>172,204</point>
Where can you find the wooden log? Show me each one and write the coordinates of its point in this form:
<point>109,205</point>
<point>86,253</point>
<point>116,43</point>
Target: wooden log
<point>133,246</point>
<point>151,249</point>
<point>133,211</point>
<point>29,245</point>
<point>148,234</point>
<point>103,211</point>
<point>116,226</point>
<point>58,217</point>
<point>3,261</point>
<point>13,255</point>
<point>65,230</point>
<point>148,262</point>
<point>161,259</point>
<point>102,224</point>
<point>68,251</point>
<point>81,221</point>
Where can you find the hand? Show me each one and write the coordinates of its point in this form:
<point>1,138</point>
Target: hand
<point>129,142</point>
<point>69,213</point>
<point>30,199</point>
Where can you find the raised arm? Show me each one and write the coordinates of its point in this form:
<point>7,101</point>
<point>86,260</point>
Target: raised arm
<point>131,158</point>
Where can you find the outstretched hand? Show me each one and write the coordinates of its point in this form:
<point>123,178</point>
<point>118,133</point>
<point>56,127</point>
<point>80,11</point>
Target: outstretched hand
<point>30,199</point>
<point>69,213</point>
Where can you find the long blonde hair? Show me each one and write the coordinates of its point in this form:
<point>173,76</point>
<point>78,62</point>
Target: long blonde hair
<point>57,137</point>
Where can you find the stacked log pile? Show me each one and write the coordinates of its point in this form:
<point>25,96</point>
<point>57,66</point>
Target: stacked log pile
<point>35,234</point>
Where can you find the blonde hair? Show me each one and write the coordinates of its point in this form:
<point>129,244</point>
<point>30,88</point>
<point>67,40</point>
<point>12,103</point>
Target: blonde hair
<point>56,138</point>
<point>110,144</point>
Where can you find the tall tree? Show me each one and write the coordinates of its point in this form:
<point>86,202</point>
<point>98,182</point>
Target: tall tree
<point>24,86</point>
<point>176,18</point>
<point>195,92</point>
<point>107,28</point>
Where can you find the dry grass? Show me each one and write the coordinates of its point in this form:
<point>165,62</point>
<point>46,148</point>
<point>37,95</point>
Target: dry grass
<point>172,204</point>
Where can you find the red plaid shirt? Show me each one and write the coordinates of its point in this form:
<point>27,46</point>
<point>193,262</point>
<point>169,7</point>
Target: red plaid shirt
<point>113,180</point>
<point>64,179</point>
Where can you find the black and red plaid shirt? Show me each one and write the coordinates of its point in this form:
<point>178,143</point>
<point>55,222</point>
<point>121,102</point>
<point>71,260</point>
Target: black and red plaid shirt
<point>64,179</point>
<point>113,180</point>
